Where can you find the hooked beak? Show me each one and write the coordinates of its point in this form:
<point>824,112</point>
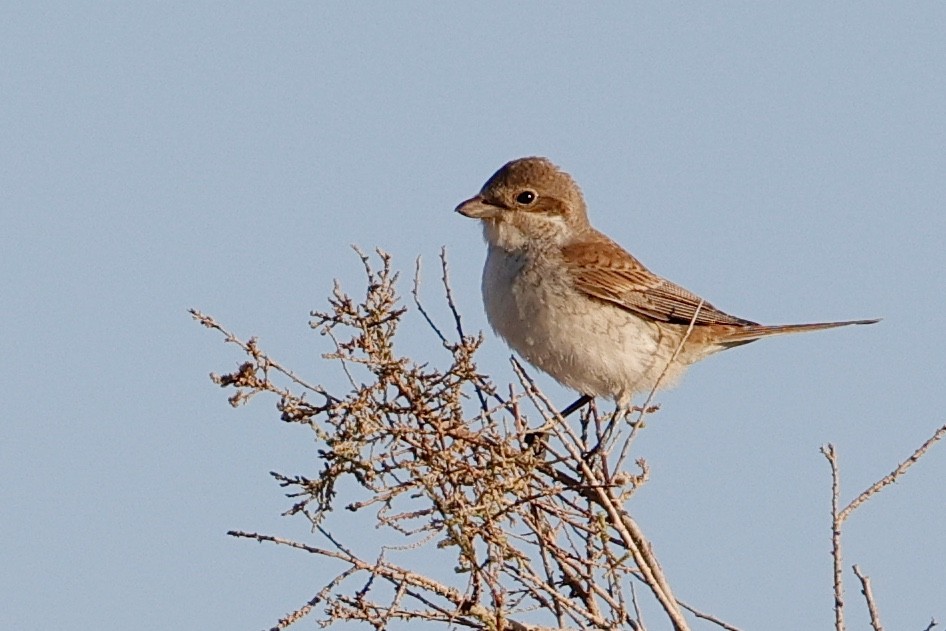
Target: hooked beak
<point>478,208</point>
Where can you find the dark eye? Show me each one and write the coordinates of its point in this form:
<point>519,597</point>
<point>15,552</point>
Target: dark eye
<point>526,197</point>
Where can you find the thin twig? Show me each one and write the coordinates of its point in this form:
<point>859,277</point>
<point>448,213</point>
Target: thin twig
<point>448,292</point>
<point>708,617</point>
<point>869,596</point>
<point>251,349</point>
<point>638,615</point>
<point>893,475</point>
<point>415,292</point>
<point>676,352</point>
<point>831,455</point>
<point>653,391</point>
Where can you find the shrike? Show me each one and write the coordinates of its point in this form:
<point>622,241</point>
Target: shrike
<point>578,306</point>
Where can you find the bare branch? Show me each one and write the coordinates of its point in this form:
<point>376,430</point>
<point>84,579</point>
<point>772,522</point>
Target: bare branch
<point>531,513</point>
<point>831,455</point>
<point>838,516</point>
<point>893,475</point>
<point>869,596</point>
<point>710,618</point>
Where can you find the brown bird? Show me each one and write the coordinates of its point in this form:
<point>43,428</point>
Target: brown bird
<point>578,306</point>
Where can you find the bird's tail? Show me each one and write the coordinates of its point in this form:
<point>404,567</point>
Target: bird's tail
<point>746,334</point>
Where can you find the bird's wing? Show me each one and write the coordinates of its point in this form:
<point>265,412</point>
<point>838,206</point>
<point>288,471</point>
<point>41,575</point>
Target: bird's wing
<point>604,270</point>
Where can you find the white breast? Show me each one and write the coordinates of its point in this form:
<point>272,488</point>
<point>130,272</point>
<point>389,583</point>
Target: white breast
<point>585,344</point>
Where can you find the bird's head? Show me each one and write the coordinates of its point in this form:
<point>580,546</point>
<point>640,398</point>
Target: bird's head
<point>528,201</point>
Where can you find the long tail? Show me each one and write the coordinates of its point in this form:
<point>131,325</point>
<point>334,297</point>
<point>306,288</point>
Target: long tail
<point>746,334</point>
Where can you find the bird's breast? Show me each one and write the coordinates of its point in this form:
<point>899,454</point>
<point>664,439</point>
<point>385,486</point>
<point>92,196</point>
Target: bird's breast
<point>586,344</point>
<point>532,303</point>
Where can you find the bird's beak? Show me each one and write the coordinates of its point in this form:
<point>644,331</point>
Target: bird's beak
<point>479,208</point>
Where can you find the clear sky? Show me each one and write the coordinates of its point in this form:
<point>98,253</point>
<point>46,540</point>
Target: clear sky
<point>784,160</point>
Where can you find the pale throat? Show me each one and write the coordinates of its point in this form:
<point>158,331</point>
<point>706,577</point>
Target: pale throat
<point>526,232</point>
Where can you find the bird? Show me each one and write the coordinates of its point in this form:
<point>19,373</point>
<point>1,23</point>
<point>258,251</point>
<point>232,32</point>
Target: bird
<point>578,306</point>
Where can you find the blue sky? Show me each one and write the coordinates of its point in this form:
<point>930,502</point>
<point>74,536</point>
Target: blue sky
<point>784,160</point>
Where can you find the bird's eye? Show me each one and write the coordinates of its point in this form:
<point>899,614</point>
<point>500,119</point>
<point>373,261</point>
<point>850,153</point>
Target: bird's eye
<point>526,197</point>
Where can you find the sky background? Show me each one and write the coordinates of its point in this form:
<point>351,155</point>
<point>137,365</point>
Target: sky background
<point>784,160</point>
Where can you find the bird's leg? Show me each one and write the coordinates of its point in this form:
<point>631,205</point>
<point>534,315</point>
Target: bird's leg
<point>535,436</point>
<point>582,401</point>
